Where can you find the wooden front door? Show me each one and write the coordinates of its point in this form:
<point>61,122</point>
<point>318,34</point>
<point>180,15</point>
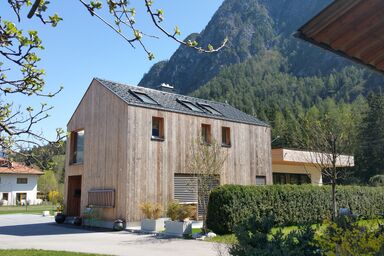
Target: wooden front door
<point>74,195</point>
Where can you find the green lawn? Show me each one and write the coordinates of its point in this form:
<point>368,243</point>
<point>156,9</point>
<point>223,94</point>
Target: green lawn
<point>41,253</point>
<point>30,209</point>
<point>231,238</point>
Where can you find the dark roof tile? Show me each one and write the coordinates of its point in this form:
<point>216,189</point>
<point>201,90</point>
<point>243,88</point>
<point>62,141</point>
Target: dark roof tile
<point>169,102</point>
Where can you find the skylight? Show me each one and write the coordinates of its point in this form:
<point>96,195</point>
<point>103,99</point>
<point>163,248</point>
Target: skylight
<point>144,97</point>
<point>191,106</point>
<point>210,109</point>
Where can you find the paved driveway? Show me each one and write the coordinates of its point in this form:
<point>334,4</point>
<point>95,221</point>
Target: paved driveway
<point>18,231</point>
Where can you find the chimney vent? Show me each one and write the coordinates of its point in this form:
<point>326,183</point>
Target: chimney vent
<point>165,87</point>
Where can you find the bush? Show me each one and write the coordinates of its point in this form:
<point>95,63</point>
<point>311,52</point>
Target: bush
<point>255,238</point>
<point>55,197</point>
<point>178,211</point>
<point>346,237</point>
<point>151,210</point>
<point>230,205</point>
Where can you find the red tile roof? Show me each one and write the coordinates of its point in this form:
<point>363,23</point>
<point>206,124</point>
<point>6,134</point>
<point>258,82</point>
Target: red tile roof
<point>8,167</point>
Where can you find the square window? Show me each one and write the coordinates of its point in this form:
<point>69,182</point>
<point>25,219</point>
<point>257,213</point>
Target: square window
<point>261,180</point>
<point>5,196</point>
<point>206,133</point>
<point>157,128</point>
<point>77,147</point>
<point>22,180</point>
<point>225,136</point>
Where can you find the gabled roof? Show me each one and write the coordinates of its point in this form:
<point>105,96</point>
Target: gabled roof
<point>350,28</point>
<point>174,103</point>
<point>8,167</point>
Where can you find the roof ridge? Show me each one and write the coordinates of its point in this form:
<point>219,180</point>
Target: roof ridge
<point>166,102</point>
<point>152,89</point>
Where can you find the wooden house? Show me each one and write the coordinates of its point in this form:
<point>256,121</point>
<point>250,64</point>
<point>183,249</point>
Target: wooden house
<point>129,144</point>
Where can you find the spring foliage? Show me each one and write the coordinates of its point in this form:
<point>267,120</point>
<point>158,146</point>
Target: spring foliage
<point>230,205</point>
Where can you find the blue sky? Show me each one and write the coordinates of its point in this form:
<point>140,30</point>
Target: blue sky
<point>81,47</point>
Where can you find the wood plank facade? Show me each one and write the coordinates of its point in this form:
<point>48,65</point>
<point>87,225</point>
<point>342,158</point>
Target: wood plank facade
<point>119,153</point>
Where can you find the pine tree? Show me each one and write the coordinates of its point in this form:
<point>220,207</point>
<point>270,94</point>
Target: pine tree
<point>371,139</point>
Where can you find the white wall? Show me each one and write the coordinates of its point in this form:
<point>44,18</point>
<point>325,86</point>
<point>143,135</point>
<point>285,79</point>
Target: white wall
<point>9,185</point>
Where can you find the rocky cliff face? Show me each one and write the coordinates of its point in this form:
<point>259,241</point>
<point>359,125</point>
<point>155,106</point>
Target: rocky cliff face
<point>252,27</point>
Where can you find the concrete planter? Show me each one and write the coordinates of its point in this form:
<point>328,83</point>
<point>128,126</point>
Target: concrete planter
<point>178,228</point>
<point>149,225</point>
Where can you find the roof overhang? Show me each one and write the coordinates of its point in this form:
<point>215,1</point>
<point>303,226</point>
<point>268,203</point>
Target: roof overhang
<point>353,29</point>
<point>298,157</point>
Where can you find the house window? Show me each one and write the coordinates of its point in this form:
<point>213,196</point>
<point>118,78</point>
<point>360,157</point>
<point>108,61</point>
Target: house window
<point>191,106</point>
<point>22,180</point>
<point>77,150</point>
<point>5,196</point>
<point>261,180</point>
<point>225,136</point>
<point>144,97</point>
<point>291,178</point>
<point>210,109</point>
<point>158,128</point>
<point>206,133</point>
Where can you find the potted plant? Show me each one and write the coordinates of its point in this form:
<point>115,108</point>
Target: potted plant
<point>179,225</point>
<point>152,221</point>
<point>60,217</point>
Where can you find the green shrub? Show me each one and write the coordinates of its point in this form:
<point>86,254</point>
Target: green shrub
<point>230,205</point>
<point>255,238</point>
<point>346,237</point>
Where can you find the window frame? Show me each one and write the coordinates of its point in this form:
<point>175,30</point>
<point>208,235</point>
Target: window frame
<point>207,139</point>
<point>227,143</point>
<point>2,196</point>
<point>210,109</point>
<point>139,96</point>
<point>264,177</point>
<point>190,105</point>
<point>74,147</point>
<point>288,177</point>
<point>161,136</point>
<point>19,179</point>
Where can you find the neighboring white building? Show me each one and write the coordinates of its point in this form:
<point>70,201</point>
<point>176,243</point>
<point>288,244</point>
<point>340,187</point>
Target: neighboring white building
<point>301,167</point>
<point>18,183</point>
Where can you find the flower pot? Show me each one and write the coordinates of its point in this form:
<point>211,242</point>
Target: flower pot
<point>178,228</point>
<point>118,225</point>
<point>149,225</point>
<point>77,221</point>
<point>60,218</point>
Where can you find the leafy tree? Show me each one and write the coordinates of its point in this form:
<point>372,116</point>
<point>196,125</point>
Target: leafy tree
<point>47,182</point>
<point>371,138</point>
<point>328,137</point>
<point>19,54</point>
<point>205,162</point>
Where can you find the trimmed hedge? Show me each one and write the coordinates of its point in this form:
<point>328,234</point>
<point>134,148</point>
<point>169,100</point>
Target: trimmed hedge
<point>230,205</point>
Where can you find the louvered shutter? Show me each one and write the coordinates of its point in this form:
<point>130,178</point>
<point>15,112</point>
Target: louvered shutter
<point>185,189</point>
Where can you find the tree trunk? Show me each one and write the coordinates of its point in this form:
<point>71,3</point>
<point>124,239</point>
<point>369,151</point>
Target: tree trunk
<point>334,206</point>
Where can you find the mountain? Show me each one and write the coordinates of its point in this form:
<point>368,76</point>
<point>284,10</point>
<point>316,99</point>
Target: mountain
<point>252,27</point>
<point>265,71</point>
